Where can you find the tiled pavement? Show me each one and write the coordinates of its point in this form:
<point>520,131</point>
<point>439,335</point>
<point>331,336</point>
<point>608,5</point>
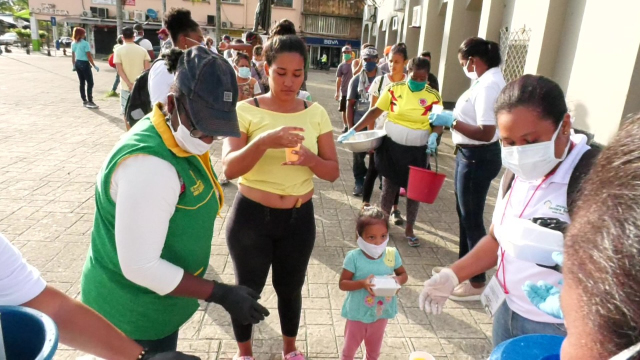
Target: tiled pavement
<point>52,148</point>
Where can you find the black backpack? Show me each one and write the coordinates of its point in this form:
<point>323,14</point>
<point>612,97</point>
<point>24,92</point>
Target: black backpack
<point>580,172</point>
<point>139,102</point>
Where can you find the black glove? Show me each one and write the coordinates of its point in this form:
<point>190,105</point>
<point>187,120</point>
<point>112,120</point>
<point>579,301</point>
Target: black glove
<point>170,355</point>
<point>239,301</point>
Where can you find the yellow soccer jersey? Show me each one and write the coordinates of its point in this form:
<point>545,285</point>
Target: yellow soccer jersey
<point>408,108</point>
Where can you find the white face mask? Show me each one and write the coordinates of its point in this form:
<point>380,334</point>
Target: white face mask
<point>473,75</point>
<point>187,142</point>
<point>375,251</point>
<point>259,63</point>
<point>533,161</point>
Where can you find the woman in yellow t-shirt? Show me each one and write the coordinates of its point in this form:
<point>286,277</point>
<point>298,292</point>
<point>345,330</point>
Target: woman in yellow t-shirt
<point>410,138</point>
<point>272,219</point>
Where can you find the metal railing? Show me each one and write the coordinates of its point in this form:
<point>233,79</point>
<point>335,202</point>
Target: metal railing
<point>514,46</point>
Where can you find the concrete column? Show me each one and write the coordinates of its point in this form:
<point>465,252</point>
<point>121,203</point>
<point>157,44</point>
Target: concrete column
<point>381,38</point>
<point>463,19</point>
<point>35,38</point>
<point>609,44</point>
<point>432,30</point>
<point>410,34</point>
<point>392,35</point>
<point>491,19</point>
<point>546,19</point>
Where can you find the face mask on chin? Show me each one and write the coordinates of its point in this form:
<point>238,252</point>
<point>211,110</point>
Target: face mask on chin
<point>534,161</point>
<point>184,139</point>
<point>473,75</point>
<point>375,251</point>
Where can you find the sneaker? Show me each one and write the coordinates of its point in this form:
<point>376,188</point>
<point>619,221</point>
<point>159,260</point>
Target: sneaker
<point>357,190</point>
<point>223,180</point>
<point>466,292</point>
<point>112,93</point>
<point>296,355</point>
<point>84,103</point>
<point>91,105</point>
<point>345,129</point>
<point>396,217</point>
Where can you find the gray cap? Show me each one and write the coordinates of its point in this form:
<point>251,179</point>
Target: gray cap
<point>209,83</point>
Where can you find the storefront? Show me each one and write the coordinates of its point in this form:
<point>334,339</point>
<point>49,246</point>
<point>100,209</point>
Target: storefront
<point>332,47</point>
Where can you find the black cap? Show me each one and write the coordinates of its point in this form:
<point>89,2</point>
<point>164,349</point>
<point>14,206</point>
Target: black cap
<point>226,37</point>
<point>127,32</point>
<point>138,27</point>
<point>209,83</point>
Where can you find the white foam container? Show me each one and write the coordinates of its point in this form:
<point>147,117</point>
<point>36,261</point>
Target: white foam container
<point>385,286</point>
<point>529,242</point>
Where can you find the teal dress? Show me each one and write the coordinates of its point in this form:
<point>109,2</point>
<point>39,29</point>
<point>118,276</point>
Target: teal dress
<point>360,305</point>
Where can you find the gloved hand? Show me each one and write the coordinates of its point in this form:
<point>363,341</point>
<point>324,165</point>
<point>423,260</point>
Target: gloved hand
<point>97,68</point>
<point>239,301</point>
<point>170,355</point>
<point>545,296</point>
<point>346,136</point>
<point>437,290</point>
<point>432,145</point>
<point>74,68</point>
<point>445,118</point>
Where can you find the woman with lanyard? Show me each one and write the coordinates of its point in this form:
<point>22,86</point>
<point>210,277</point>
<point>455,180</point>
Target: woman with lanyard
<point>82,62</point>
<point>156,200</point>
<point>410,138</point>
<point>397,62</point>
<point>474,132</point>
<point>271,223</point>
<point>538,147</point>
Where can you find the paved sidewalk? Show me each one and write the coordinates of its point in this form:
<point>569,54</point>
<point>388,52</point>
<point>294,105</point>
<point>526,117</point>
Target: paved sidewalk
<point>53,148</point>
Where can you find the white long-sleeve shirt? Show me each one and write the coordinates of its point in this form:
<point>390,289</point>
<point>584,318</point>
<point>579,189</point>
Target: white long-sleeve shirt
<point>145,189</point>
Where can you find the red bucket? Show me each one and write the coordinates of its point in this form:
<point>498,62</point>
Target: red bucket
<point>424,185</point>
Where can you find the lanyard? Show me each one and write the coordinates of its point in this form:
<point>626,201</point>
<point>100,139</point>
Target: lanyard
<point>501,264</point>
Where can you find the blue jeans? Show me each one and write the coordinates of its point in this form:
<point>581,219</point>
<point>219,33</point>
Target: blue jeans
<point>359,168</point>
<point>116,83</point>
<point>476,167</point>
<point>83,70</point>
<point>508,324</point>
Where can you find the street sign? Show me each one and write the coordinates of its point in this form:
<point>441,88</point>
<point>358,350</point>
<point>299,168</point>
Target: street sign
<point>53,21</point>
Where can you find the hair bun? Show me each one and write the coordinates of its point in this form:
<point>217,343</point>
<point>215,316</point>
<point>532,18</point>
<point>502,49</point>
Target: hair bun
<point>172,59</point>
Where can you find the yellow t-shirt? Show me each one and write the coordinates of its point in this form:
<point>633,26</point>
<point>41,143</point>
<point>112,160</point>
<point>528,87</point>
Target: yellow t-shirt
<point>269,174</point>
<point>132,57</point>
<point>407,108</point>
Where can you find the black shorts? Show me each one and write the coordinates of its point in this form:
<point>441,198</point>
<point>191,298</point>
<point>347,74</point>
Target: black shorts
<point>343,104</point>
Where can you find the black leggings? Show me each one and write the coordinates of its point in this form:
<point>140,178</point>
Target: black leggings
<point>370,181</point>
<point>260,237</point>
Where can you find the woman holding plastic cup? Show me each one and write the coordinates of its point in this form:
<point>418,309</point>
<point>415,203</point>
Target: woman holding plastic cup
<point>545,166</point>
<point>475,135</point>
<point>272,222</point>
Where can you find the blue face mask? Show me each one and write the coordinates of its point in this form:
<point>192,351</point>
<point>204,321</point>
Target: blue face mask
<point>244,72</point>
<point>416,86</point>
<point>370,66</point>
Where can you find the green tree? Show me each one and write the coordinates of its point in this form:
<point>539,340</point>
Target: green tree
<point>6,7</point>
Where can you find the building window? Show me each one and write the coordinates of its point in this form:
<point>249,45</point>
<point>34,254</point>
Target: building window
<point>232,1</point>
<point>283,3</point>
<point>326,25</point>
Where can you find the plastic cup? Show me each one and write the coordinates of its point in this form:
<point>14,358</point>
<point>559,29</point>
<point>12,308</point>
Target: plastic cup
<point>421,355</point>
<point>291,157</point>
<point>437,109</point>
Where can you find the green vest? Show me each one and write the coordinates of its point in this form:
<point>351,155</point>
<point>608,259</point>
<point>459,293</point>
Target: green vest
<point>139,312</point>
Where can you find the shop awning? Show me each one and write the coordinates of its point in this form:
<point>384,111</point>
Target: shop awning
<point>24,14</point>
<point>107,22</point>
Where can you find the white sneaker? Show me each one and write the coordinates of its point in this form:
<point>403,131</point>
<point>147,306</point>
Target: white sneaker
<point>466,292</point>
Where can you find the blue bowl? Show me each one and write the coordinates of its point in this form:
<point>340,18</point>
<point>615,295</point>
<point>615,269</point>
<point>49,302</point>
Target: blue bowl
<point>28,334</point>
<point>529,347</point>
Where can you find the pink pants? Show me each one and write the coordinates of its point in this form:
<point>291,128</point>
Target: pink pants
<point>372,334</point>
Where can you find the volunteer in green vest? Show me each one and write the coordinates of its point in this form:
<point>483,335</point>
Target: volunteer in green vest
<point>156,202</point>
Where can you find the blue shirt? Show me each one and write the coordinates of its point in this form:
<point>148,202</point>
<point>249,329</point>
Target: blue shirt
<point>360,305</point>
<point>80,48</point>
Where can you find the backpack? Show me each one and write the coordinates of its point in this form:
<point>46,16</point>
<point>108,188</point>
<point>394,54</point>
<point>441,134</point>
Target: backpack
<point>139,102</point>
<point>262,81</point>
<point>111,63</point>
<point>580,171</point>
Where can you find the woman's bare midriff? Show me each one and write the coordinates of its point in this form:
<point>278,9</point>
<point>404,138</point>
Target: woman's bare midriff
<point>272,200</point>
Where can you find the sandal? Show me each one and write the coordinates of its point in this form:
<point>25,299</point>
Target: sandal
<point>296,355</point>
<point>238,357</point>
<point>413,241</point>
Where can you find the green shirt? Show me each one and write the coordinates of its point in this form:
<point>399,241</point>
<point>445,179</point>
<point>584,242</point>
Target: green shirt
<point>81,48</point>
<point>139,312</point>
<point>360,305</point>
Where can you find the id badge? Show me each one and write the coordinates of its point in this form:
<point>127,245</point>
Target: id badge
<point>492,297</point>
